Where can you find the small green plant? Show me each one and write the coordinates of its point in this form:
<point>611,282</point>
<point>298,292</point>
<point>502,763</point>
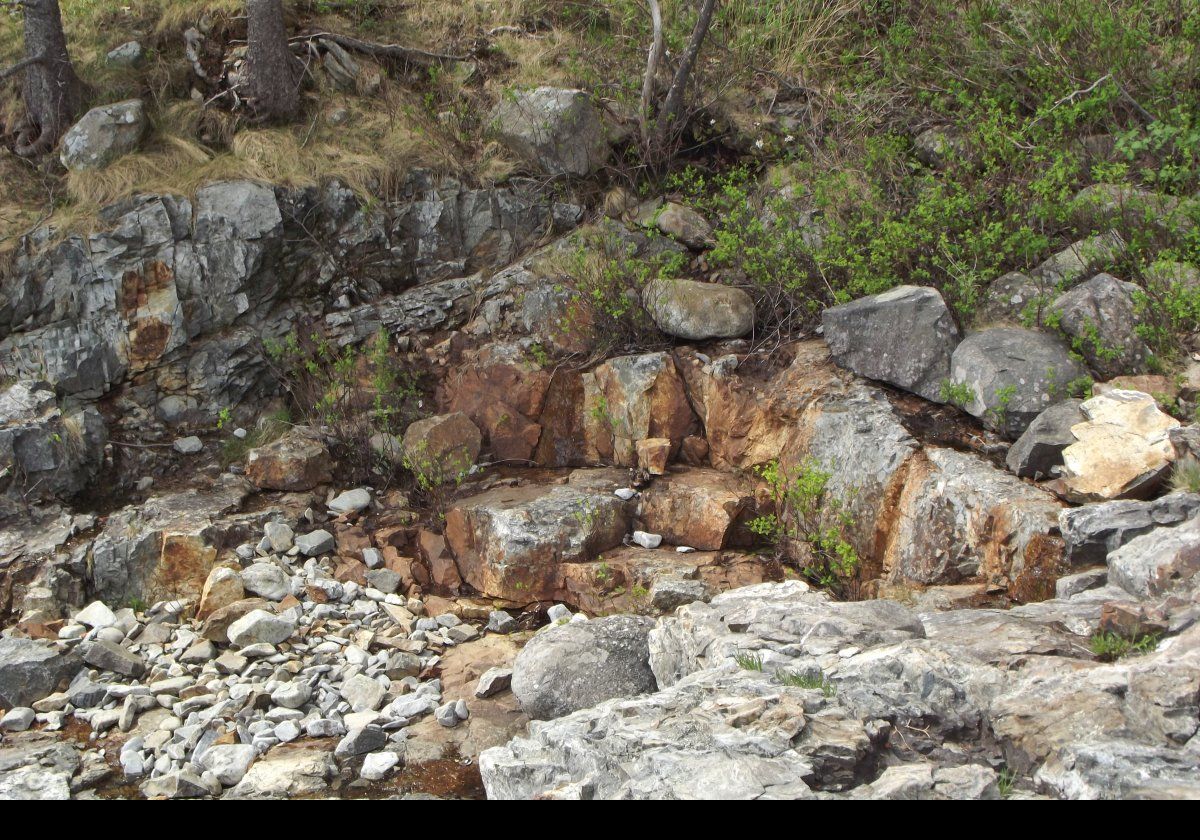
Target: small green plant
<point>957,394</point>
<point>1110,647</point>
<point>817,681</point>
<point>1185,476</point>
<point>1006,781</point>
<point>639,591</point>
<point>749,661</point>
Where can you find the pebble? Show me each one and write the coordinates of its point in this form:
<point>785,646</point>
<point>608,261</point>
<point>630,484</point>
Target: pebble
<point>377,765</point>
<point>188,445</point>
<point>352,501</point>
<point>646,540</point>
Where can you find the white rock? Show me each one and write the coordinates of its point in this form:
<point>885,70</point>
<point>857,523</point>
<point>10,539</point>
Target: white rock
<point>18,719</point>
<point>352,501</point>
<point>376,765</point>
<point>646,540</point>
<point>188,445</point>
<point>260,627</point>
<point>96,615</point>
<point>228,762</point>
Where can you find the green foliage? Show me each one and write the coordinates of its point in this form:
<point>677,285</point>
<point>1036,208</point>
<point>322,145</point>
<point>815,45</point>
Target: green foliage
<point>266,430</point>
<point>1111,646</point>
<point>749,661</point>
<point>1185,476</point>
<point>816,681</point>
<point>809,523</point>
<point>1006,781</point>
<point>958,394</point>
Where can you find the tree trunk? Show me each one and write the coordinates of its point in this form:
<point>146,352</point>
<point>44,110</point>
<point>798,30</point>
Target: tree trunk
<point>273,74</point>
<point>670,118</point>
<point>51,90</point>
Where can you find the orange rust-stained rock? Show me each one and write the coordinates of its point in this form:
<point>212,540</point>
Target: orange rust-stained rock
<point>502,391</point>
<point>632,398</point>
<point>701,508</point>
<point>562,440</point>
<point>653,455</point>
<point>297,461</point>
<point>436,557</point>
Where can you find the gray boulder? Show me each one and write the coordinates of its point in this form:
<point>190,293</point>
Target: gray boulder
<point>577,665</point>
<point>1099,317</point>
<point>129,54</point>
<point>104,134</point>
<point>1159,562</point>
<point>110,656</point>
<point>30,670</point>
<point>1039,448</point>
<point>1092,532</point>
<point>44,451</point>
<point>560,132</point>
<point>904,337</point>
<point>1011,375</point>
<point>697,311</point>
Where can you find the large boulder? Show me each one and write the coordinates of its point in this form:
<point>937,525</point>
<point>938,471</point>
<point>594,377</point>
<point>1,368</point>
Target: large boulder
<point>296,462</point>
<point>697,311</point>
<point>1123,449</point>
<point>441,448</point>
<point>904,337</point>
<point>1099,317</point>
<point>1009,375</point>
<point>29,670</point>
<point>697,507</point>
<point>1038,451</point>
<point>1092,532</point>
<point>1080,259</point>
<point>1158,562</point>
<point>579,664</point>
<point>104,134</point>
<point>511,542</point>
<point>557,131</point>
<point>630,399</point>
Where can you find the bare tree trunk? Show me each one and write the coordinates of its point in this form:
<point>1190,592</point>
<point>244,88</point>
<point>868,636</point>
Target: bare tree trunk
<point>273,73</point>
<point>670,117</point>
<point>51,90</point>
<point>652,62</point>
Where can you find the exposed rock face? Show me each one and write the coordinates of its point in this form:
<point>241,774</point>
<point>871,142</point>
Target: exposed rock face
<point>511,542</point>
<point>1012,375</point>
<point>29,670</point>
<point>104,134</point>
<point>1038,451</point>
<point>1013,297</point>
<point>904,337</point>
<point>632,398</point>
<point>579,664</point>
<point>1123,450</point>
<point>1159,561</point>
<point>557,131</point>
<point>698,508</point>
<point>297,461</point>
<point>1080,259</point>
<point>1099,316</point>
<point>442,447</point>
<point>44,451</point>
<point>697,311</point>
<point>1092,532</point>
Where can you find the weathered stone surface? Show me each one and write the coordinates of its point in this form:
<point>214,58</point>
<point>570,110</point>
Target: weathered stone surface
<point>29,670</point>
<point>44,450</point>
<point>1123,450</point>
<point>510,542</point>
<point>1099,317</point>
<point>1080,259</point>
<point>1158,562</point>
<point>216,625</point>
<point>266,580</point>
<point>286,772</point>
<point>1014,298</point>
<point>260,626</point>
<point>685,224</point>
<point>653,455</point>
<point>904,337</point>
<point>699,508</point>
<point>1037,453</point>
<point>37,767</point>
<point>443,447</point>
<point>502,389</point>
<point>1092,532</point>
<point>104,134</point>
<point>110,656</point>
<point>295,462</point>
<point>559,132</point>
<point>577,665</point>
<point>632,398</point>
<point>697,311</point>
<point>1012,375</point>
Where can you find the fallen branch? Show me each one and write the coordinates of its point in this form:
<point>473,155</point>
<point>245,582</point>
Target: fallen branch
<point>21,65</point>
<point>409,55</point>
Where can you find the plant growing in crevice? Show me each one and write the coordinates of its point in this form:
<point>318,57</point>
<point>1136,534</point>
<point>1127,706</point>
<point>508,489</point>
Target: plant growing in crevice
<point>1110,647</point>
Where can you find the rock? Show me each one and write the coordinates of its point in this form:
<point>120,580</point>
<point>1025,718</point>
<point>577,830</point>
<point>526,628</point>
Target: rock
<point>1158,562</point>
<point>684,224</point>
<point>104,134</point>
<point>904,337</point>
<point>228,762</point>
<point>129,54</point>
<point>1038,451</point>
<point>668,594</point>
<point>1080,259</point>
<point>493,682</point>
<point>280,536</point>
<point>291,695</point>
<point>181,784</point>
<point>653,455</point>
<point>260,627</point>
<point>1071,585</point>
<point>188,445</point>
<point>222,588</point>
<point>377,765</point>
<point>216,625</point>
<point>46,451</point>
<point>701,508</point>
<point>442,448</point>
<point>199,653</point>
<point>366,739</point>
<point>1012,375</point>
<point>316,543</point>
<point>294,463</point>
<point>1122,450</point>
<point>559,132</point>
<point>17,719</point>
<point>266,580</point>
<point>351,501</point>
<point>286,773</point>
<point>446,715</point>
<point>1092,532</point>
<point>1015,298</point>
<point>697,311</point>
<point>646,540</point>
<point>633,398</point>
<point>96,615</point>
<point>501,622</point>
<point>112,657</point>
<point>363,693</point>
<point>939,147</point>
<point>511,542</point>
<point>574,666</point>
<point>1099,317</point>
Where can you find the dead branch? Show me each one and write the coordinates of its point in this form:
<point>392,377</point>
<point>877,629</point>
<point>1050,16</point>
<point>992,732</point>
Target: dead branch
<point>669,117</point>
<point>395,52</point>
<point>652,61</point>
<point>21,65</point>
